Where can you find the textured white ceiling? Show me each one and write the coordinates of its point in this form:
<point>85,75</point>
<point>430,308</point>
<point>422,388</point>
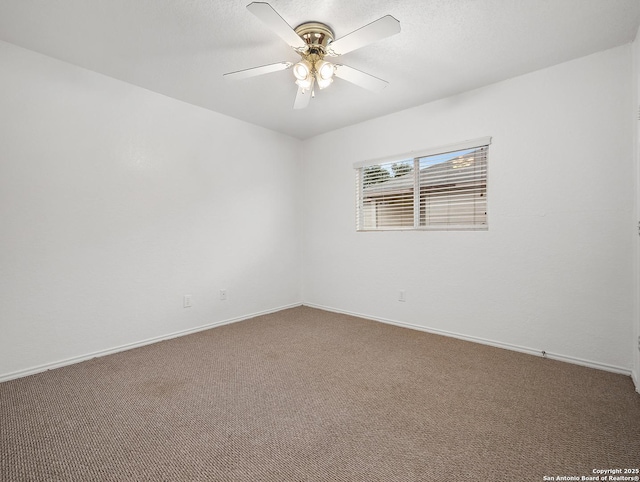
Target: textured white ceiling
<point>181,48</point>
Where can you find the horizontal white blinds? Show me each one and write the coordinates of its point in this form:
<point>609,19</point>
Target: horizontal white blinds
<point>387,195</point>
<point>440,191</point>
<point>453,191</point>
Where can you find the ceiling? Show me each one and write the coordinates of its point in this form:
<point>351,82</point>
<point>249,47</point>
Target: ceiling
<point>181,48</point>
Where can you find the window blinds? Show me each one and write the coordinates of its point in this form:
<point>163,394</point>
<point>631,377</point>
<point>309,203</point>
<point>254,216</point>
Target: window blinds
<point>446,190</point>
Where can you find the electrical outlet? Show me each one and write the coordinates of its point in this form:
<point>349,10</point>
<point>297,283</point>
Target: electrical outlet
<point>223,295</point>
<point>402,296</point>
<point>186,301</point>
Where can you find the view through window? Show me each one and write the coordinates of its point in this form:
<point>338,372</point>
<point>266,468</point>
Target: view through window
<point>440,190</point>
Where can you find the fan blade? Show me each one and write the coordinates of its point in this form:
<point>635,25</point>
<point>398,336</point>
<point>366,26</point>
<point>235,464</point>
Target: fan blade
<point>359,78</point>
<point>303,97</point>
<point>265,69</point>
<point>377,30</point>
<point>275,22</point>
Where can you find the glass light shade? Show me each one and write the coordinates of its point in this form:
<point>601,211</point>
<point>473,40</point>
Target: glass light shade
<point>301,70</point>
<point>325,70</point>
<point>322,83</point>
<point>304,83</point>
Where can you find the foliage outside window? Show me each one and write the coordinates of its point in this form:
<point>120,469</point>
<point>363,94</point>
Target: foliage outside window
<point>443,188</point>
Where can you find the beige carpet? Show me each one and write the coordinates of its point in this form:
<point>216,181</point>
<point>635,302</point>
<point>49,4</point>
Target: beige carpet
<point>306,395</point>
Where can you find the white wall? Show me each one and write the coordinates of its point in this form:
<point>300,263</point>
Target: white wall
<point>116,201</point>
<point>553,271</point>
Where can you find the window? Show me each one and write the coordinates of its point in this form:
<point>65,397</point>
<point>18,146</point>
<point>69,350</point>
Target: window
<point>442,188</point>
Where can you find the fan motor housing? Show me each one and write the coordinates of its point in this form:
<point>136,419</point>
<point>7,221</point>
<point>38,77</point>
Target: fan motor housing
<point>317,36</point>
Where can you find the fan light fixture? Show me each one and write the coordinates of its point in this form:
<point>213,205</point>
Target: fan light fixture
<point>313,41</point>
<point>320,71</point>
<point>313,69</point>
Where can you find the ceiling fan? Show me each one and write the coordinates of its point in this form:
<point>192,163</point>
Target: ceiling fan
<point>314,41</point>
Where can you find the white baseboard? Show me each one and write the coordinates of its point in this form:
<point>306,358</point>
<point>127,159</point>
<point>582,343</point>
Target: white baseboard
<point>484,341</point>
<point>636,381</point>
<point>109,351</point>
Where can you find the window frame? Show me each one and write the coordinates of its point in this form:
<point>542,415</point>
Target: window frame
<point>415,157</point>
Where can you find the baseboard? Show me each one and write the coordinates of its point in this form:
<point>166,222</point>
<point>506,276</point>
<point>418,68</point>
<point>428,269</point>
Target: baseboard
<point>484,341</point>
<point>636,381</point>
<point>137,344</point>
